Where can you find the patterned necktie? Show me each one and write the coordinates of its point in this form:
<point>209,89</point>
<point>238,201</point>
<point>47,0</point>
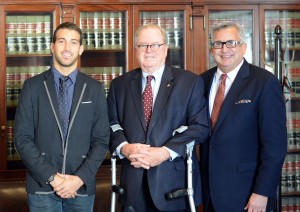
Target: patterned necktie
<point>148,100</point>
<point>219,99</point>
<point>63,104</point>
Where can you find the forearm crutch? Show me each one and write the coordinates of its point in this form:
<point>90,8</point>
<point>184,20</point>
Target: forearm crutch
<point>116,189</point>
<point>189,191</point>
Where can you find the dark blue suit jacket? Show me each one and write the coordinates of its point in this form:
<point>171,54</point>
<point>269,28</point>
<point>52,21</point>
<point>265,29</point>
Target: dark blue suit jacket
<point>179,102</point>
<point>38,138</point>
<point>248,145</point>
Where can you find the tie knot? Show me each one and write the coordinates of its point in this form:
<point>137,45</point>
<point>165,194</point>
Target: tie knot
<point>223,77</point>
<point>63,79</point>
<point>149,78</point>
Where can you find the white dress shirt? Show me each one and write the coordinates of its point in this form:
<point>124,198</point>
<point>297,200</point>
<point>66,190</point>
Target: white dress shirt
<point>216,81</point>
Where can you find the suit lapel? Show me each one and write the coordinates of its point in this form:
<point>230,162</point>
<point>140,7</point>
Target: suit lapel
<point>136,91</point>
<point>49,78</point>
<point>77,92</point>
<point>165,89</point>
<point>236,88</point>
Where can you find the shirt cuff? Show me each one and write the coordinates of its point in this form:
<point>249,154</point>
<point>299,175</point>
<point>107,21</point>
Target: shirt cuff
<point>173,154</point>
<point>118,150</point>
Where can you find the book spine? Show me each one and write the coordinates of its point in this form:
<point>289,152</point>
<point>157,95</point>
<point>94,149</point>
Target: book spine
<point>11,34</point>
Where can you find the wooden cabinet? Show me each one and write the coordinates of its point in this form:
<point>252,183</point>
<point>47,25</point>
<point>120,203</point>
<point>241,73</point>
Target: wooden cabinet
<point>175,20</point>
<point>27,33</point>
<point>107,32</point>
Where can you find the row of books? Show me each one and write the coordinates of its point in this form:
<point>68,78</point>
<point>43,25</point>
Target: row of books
<point>28,34</point>
<point>103,30</point>
<point>245,22</point>
<point>290,174</point>
<point>290,204</point>
<point>286,42</point>
<point>103,74</point>
<point>283,18</point>
<point>106,30</point>
<point>290,25</point>
<point>104,40</point>
<point>10,147</point>
<point>15,77</point>
<point>172,22</point>
<point>293,139</point>
<point>168,20</point>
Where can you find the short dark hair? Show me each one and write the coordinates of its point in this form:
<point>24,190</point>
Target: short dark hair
<point>70,26</point>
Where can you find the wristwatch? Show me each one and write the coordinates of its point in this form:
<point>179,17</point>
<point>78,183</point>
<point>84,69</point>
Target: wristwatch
<point>51,178</point>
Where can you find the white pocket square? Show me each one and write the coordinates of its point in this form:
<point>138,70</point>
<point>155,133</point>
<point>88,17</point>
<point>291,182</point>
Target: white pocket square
<point>88,102</point>
<point>243,101</point>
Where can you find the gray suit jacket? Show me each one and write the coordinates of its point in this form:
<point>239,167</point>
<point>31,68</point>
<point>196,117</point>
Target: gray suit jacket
<point>38,137</point>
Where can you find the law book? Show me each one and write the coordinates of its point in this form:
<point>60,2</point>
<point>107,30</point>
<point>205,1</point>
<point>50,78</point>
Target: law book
<point>21,34</point>
<point>115,29</point>
<point>40,34</point>
<point>10,147</point>
<point>106,34</point>
<point>83,26</point>
<point>31,34</point>
<point>98,25</point>
<point>90,34</point>
<point>48,34</point>
<point>11,34</point>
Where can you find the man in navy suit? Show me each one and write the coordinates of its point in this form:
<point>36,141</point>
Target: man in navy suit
<point>241,164</point>
<point>153,155</point>
<point>62,160</point>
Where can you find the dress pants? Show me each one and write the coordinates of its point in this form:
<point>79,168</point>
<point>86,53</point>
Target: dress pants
<point>144,202</point>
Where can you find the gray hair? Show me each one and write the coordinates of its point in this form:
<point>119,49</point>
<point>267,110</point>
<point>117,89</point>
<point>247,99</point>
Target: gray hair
<point>229,24</point>
<point>147,26</point>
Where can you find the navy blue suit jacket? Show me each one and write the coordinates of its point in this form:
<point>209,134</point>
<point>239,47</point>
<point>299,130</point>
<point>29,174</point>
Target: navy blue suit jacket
<point>38,137</point>
<point>248,145</point>
<point>180,102</point>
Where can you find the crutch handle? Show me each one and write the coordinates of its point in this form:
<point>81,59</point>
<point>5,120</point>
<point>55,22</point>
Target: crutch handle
<point>177,194</point>
<point>117,189</point>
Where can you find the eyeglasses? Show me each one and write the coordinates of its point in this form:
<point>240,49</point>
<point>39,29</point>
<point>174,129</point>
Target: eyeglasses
<point>154,47</point>
<point>229,44</point>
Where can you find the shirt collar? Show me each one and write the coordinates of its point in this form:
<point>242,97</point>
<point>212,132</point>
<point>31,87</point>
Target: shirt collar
<point>72,75</point>
<point>157,74</point>
<point>230,75</point>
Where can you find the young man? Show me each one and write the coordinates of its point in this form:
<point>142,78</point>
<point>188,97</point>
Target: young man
<point>62,129</point>
<point>242,162</point>
<point>154,111</point>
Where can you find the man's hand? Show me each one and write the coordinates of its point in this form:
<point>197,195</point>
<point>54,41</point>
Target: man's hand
<point>137,148</point>
<point>57,181</point>
<point>154,157</point>
<point>257,203</point>
<point>68,188</point>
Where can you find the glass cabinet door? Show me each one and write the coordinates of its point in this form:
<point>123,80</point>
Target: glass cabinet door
<point>245,17</point>
<point>288,19</point>
<point>174,21</point>
<point>105,38</point>
<point>28,38</point>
